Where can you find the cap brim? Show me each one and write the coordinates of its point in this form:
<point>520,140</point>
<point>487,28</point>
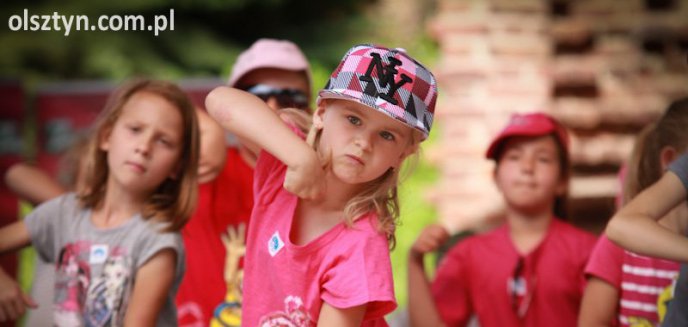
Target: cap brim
<point>497,142</point>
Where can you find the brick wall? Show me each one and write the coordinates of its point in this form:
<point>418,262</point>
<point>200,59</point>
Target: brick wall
<point>604,68</point>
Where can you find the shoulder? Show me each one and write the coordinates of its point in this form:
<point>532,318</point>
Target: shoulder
<point>366,229</point>
<point>492,242</point>
<point>571,233</point>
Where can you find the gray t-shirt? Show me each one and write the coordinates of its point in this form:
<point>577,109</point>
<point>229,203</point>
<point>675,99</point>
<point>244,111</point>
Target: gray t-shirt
<point>95,268</point>
<point>677,312</point>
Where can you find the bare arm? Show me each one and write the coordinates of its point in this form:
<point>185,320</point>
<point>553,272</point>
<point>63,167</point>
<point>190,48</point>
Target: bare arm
<point>421,306</point>
<point>32,184</point>
<point>153,280</point>
<point>635,226</point>
<point>252,120</point>
<point>600,304</point>
<point>331,316</point>
<point>13,301</point>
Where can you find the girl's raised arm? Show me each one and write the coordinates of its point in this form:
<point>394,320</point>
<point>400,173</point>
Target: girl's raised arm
<point>153,280</point>
<point>635,226</point>
<point>249,118</point>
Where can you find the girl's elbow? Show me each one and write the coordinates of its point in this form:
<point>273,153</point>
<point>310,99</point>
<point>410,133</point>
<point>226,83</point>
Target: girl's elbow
<point>614,230</point>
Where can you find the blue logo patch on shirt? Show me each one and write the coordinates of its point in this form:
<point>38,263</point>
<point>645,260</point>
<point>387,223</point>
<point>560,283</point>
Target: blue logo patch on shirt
<point>99,252</point>
<point>275,244</point>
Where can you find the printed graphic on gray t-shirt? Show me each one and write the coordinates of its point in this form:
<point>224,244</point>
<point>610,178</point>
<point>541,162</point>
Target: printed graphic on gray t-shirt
<point>94,267</point>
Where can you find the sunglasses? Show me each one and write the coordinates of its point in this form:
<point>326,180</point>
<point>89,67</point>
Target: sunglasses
<point>521,289</point>
<point>286,98</point>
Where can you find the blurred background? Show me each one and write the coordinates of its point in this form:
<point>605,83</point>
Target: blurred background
<point>604,68</point>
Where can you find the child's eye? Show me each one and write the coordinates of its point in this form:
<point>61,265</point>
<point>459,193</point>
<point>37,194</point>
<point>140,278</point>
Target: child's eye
<point>165,142</point>
<point>354,120</point>
<point>134,128</point>
<point>511,156</point>
<point>387,136</point>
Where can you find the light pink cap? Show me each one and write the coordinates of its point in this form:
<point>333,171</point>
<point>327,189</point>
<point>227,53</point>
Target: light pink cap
<point>269,53</point>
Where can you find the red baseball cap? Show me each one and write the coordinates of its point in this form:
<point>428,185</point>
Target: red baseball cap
<point>530,124</point>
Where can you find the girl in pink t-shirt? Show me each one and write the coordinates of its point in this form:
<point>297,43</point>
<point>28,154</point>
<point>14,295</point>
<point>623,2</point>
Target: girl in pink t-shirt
<point>326,208</point>
<point>625,288</point>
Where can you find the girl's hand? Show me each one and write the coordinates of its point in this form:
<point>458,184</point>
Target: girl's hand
<point>13,302</point>
<point>429,240</point>
<point>307,179</point>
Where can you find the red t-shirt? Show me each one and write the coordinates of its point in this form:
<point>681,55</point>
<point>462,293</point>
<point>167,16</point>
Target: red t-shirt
<point>227,200</point>
<point>644,283</point>
<point>476,277</point>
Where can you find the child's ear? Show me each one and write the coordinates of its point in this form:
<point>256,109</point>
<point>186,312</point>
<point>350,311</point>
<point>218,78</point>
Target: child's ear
<point>318,116</point>
<point>666,156</point>
<point>104,139</point>
<point>562,187</point>
<point>175,171</point>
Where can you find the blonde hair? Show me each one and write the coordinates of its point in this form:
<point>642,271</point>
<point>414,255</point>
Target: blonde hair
<point>379,195</point>
<point>175,199</point>
<point>644,166</point>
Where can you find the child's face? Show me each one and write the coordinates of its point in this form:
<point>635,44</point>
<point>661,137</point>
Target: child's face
<point>278,79</point>
<point>144,144</point>
<point>364,143</point>
<point>213,152</point>
<point>529,173</point>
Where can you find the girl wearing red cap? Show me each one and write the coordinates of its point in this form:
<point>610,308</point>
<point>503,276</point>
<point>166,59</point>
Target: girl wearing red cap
<point>637,226</point>
<point>326,207</point>
<point>528,272</point>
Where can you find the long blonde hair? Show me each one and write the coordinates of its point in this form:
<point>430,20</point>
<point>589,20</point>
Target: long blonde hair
<point>379,195</point>
<point>175,199</point>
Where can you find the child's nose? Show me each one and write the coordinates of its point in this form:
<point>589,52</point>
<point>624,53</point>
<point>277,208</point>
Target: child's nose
<point>363,140</point>
<point>527,164</point>
<point>144,145</point>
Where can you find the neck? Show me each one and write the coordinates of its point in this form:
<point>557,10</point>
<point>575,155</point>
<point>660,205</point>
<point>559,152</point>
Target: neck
<point>337,194</point>
<point>117,207</point>
<point>249,157</point>
<point>528,222</point>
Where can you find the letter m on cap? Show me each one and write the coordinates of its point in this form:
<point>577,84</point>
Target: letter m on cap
<point>386,77</point>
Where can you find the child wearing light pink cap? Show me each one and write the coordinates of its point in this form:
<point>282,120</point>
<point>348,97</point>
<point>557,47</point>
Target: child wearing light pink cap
<point>528,272</point>
<point>326,204</point>
<point>277,71</point>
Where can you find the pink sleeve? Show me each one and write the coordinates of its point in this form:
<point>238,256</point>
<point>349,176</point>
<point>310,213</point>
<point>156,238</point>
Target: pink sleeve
<point>269,173</point>
<point>450,293</point>
<point>605,262</point>
<point>361,274</point>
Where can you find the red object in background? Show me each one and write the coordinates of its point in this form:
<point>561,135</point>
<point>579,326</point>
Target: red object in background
<point>11,150</point>
<point>64,111</point>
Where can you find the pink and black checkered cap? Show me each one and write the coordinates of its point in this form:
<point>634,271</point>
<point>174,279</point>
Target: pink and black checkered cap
<point>388,80</point>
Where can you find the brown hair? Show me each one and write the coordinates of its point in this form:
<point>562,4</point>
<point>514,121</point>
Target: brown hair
<point>644,166</point>
<point>175,199</point>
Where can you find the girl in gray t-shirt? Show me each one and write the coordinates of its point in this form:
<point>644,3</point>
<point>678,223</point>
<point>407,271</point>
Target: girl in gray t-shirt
<point>116,247</point>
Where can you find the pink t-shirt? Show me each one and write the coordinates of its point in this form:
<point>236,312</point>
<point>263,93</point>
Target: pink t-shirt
<point>477,277</point>
<point>644,283</point>
<point>286,284</point>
